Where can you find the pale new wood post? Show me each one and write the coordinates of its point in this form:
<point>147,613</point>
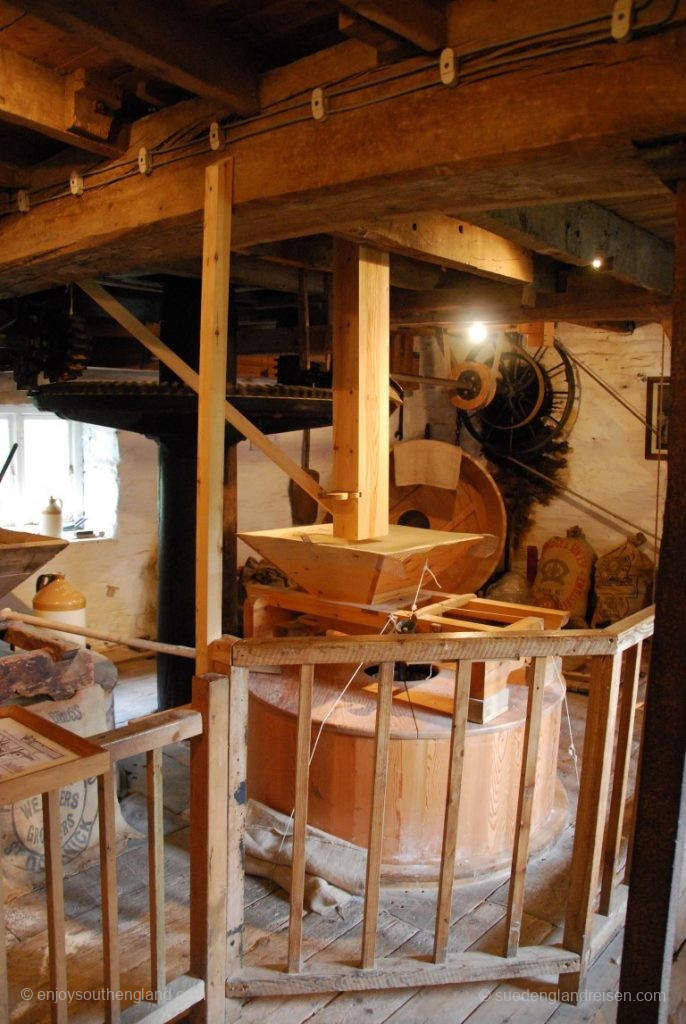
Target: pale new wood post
<point>302,777</point>
<point>108,891</point>
<point>55,894</point>
<point>590,817</point>
<point>458,732</point>
<point>620,778</point>
<point>156,896</point>
<point>237,793</point>
<point>214,327</point>
<point>208,868</point>
<point>535,677</point>
<point>360,388</point>
<point>376,818</point>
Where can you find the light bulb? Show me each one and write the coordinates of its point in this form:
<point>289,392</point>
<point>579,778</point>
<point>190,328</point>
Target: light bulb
<point>597,262</point>
<point>477,332</point>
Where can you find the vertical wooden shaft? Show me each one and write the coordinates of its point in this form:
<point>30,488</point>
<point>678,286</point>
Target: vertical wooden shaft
<point>590,815</point>
<point>237,794</point>
<point>208,869</point>
<point>661,805</point>
<point>302,777</point>
<point>4,986</point>
<point>376,822</point>
<point>158,970</point>
<point>625,734</point>
<point>535,677</point>
<point>214,326</point>
<point>360,388</point>
<point>108,892</point>
<point>55,895</point>
<point>458,732</point>
<point>238,800</point>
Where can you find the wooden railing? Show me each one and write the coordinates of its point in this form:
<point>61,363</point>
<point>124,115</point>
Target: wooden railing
<point>218,803</point>
<point>205,723</point>
<point>614,654</point>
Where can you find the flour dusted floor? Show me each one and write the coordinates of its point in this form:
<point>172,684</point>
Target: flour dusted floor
<point>405,923</point>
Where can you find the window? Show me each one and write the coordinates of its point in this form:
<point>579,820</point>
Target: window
<point>75,462</point>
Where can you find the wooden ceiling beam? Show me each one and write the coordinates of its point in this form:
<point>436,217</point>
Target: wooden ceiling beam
<point>577,233</point>
<point>165,43</point>
<point>319,69</point>
<point>315,252</point>
<point>13,177</point>
<point>310,178</point>
<point>588,299</point>
<point>450,243</point>
<point>415,20</point>
<point>59,106</point>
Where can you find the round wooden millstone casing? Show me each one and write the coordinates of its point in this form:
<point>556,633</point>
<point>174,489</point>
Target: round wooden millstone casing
<point>341,771</point>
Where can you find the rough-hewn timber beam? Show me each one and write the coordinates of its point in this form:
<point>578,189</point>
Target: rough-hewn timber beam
<point>166,43</point>
<point>414,20</point>
<point>309,177</point>
<point>319,69</point>
<point>35,97</point>
<point>577,232</point>
<point>476,25</point>
<point>586,300</point>
<point>450,243</point>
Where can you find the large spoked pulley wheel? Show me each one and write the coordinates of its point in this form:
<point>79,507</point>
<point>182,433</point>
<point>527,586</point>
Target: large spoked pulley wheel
<point>535,401</point>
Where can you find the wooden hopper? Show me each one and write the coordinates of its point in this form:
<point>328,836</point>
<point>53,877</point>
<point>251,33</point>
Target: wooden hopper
<point>362,571</point>
<point>22,554</point>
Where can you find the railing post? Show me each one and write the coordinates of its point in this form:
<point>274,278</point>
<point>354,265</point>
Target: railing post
<point>209,827</point>
<point>613,838</point>
<point>237,806</point>
<point>590,818</point>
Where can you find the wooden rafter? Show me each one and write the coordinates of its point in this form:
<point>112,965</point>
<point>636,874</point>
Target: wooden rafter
<point>450,243</point>
<point>415,20</point>
<point>168,44</point>
<point>587,299</point>
<point>35,97</point>
<point>578,232</point>
<point>327,181</point>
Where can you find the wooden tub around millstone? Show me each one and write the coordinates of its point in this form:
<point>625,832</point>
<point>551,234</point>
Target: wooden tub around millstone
<point>341,770</point>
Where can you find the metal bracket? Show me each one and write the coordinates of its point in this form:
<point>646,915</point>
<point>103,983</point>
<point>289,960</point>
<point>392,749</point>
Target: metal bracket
<point>449,66</point>
<point>144,160</point>
<point>621,26</point>
<point>319,105</point>
<point>341,495</point>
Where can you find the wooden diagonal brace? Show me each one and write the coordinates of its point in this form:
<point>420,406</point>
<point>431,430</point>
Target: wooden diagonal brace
<point>232,415</point>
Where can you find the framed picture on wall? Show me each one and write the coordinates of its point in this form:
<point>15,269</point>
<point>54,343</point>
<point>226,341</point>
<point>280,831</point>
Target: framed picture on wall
<point>657,417</point>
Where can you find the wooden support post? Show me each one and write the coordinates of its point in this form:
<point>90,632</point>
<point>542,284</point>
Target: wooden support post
<point>458,732</point>
<point>535,677</point>
<point>55,895</point>
<point>360,388</point>
<point>208,884</point>
<point>156,901</point>
<point>302,776</point>
<point>661,806</point>
<point>620,777</point>
<point>590,817</point>
<point>376,822</point>
<point>237,753</point>
<point>4,984</point>
<point>108,892</point>
<point>214,329</point>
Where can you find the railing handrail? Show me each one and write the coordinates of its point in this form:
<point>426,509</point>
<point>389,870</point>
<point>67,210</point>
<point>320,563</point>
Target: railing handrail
<point>500,644</point>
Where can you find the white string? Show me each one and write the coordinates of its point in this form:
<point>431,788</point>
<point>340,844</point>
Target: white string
<point>572,747</point>
<point>390,621</point>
